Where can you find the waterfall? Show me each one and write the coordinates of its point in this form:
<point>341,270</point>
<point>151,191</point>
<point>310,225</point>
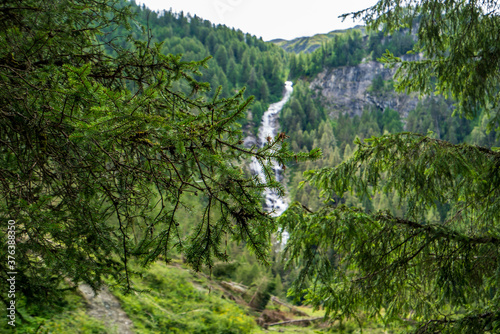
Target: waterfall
<point>268,128</point>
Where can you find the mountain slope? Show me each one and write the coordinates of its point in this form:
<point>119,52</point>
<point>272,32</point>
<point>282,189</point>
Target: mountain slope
<point>351,89</point>
<point>311,43</point>
<point>169,299</point>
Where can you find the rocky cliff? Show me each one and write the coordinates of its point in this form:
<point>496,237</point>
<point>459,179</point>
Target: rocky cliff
<point>349,89</point>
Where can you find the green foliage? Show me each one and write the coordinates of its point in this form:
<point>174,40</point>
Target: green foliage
<point>278,287</point>
<point>172,304</point>
<point>399,42</point>
<point>239,60</point>
<point>442,275</point>
<point>459,41</point>
<point>435,114</point>
<point>481,135</point>
<point>424,250</point>
<point>68,323</point>
<point>345,49</point>
<point>172,300</point>
<point>378,84</point>
<point>106,140</point>
<point>114,149</point>
<point>67,315</point>
<point>302,113</point>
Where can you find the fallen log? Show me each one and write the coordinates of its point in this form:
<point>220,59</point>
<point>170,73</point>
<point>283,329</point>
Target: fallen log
<point>292,308</point>
<point>294,321</point>
<point>235,287</point>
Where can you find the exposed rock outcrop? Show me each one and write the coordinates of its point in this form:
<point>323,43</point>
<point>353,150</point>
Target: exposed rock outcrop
<point>346,90</point>
<point>106,307</point>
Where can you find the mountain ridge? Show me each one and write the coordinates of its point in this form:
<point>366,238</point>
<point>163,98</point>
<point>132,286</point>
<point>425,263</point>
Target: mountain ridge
<point>308,44</point>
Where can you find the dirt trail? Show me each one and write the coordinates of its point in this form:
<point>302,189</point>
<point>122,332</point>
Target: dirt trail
<point>106,307</point>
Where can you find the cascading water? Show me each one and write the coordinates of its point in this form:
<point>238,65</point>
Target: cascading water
<point>268,128</point>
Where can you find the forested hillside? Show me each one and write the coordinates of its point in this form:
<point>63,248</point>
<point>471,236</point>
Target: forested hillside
<point>343,93</point>
<point>116,153</point>
<point>238,59</point>
<point>405,228</point>
<point>123,164</point>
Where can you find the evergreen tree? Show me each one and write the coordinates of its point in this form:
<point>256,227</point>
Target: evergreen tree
<point>101,146</point>
<point>434,269</point>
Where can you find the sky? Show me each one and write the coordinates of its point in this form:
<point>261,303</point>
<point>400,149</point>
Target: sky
<point>269,19</point>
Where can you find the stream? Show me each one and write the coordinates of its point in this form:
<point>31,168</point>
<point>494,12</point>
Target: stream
<point>269,127</point>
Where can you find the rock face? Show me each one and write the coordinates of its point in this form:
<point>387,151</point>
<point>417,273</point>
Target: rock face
<point>106,307</point>
<point>346,90</point>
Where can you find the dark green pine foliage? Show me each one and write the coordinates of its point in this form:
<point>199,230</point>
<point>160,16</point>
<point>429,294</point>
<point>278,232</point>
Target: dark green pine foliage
<point>399,42</point>
<point>100,150</point>
<point>234,53</point>
<point>459,41</point>
<point>345,49</point>
<point>439,273</point>
<point>349,48</point>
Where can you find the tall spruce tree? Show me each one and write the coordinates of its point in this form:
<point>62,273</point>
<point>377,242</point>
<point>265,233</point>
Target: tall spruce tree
<point>102,138</point>
<point>442,275</point>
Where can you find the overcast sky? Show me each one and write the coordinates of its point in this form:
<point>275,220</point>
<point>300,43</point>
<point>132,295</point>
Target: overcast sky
<point>270,19</point>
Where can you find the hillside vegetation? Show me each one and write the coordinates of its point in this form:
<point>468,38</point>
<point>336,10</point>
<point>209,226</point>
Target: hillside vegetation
<point>131,148</point>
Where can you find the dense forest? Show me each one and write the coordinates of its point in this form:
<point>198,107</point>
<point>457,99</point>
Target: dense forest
<point>237,59</point>
<point>123,165</point>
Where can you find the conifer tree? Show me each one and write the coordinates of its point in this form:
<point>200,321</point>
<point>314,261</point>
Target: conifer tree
<point>440,274</point>
<point>101,143</point>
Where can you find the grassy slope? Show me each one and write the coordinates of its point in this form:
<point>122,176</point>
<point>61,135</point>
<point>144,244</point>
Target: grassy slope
<point>309,44</point>
<point>175,300</point>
